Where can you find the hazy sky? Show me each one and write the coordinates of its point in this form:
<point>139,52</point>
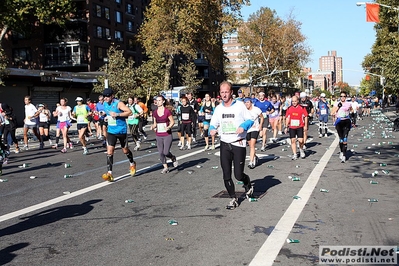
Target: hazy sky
<point>338,25</point>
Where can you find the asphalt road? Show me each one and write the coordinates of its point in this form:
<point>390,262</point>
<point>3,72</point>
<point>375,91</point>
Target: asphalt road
<point>52,220</point>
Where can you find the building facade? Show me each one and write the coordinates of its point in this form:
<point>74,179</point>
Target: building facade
<point>332,63</point>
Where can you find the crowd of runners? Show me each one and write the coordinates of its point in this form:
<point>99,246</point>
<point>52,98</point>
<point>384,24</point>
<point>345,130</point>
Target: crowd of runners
<point>237,122</point>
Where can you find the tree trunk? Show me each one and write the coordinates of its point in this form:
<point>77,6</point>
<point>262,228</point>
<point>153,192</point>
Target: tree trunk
<point>168,68</point>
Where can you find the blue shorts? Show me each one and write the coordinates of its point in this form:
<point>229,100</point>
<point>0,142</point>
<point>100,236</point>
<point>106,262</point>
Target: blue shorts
<point>323,118</point>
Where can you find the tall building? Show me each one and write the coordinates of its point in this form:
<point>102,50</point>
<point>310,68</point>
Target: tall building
<point>237,67</point>
<point>333,63</point>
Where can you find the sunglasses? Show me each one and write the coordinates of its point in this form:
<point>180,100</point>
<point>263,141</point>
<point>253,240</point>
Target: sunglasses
<point>343,95</point>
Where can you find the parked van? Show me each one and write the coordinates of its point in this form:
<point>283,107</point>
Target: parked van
<point>175,93</point>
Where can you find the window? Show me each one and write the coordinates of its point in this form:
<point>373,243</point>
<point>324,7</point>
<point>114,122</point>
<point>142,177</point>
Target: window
<point>129,26</point>
<point>129,9</point>
<point>106,13</point>
<point>97,9</point>
<point>118,36</point>
<point>118,17</point>
<point>21,55</point>
<point>118,1</point>
<point>99,32</point>
<point>100,52</point>
<point>107,33</point>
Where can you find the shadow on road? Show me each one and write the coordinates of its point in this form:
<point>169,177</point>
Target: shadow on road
<point>48,217</point>
<point>7,254</point>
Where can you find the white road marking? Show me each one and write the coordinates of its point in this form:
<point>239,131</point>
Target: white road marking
<point>273,244</point>
<point>73,194</point>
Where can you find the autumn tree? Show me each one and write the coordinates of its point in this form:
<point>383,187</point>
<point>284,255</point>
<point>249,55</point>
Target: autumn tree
<point>120,73</point>
<point>189,73</point>
<point>272,46</point>
<point>188,27</point>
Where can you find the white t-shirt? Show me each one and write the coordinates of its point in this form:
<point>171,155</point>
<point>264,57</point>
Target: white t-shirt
<point>63,114</point>
<point>255,111</point>
<point>30,111</point>
<point>355,106</point>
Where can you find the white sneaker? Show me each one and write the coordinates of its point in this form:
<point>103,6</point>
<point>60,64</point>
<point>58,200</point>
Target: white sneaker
<point>294,157</point>
<point>304,147</point>
<point>340,156</point>
<point>302,153</point>
<point>193,141</point>
<point>232,204</point>
<point>179,144</point>
<point>85,151</point>
<point>206,147</point>
<point>320,135</point>
<point>325,135</point>
<point>188,147</point>
<point>263,148</point>
<point>280,133</point>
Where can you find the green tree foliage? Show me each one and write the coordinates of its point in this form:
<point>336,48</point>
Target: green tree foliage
<point>272,44</point>
<point>187,27</point>
<point>17,15</point>
<point>384,57</point>
<point>121,74</point>
<point>189,74</point>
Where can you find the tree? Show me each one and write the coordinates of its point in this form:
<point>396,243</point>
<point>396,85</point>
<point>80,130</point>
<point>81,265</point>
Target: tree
<point>188,27</point>
<point>272,44</point>
<point>384,57</point>
<point>120,73</point>
<point>189,74</point>
<point>17,15</point>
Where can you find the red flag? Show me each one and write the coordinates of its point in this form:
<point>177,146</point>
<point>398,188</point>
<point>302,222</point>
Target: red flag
<point>372,12</point>
<point>310,77</point>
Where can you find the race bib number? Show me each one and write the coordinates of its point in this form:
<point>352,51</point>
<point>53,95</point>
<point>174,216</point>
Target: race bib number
<point>228,127</point>
<point>208,116</point>
<point>80,119</point>
<point>185,116</point>
<point>111,121</point>
<point>342,114</point>
<point>130,118</point>
<point>295,122</point>
<point>264,115</point>
<point>323,112</point>
<point>161,128</point>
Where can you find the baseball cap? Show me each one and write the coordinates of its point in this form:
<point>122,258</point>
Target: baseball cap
<point>323,95</point>
<point>108,92</point>
<point>41,105</point>
<point>239,91</point>
<point>247,100</point>
<point>79,99</point>
<point>302,95</point>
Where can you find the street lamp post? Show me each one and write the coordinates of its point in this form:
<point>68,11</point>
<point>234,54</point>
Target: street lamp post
<point>106,61</point>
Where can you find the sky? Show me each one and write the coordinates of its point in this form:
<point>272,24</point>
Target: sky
<point>334,25</point>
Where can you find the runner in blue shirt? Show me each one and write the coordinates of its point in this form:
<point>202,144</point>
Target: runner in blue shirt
<point>267,108</point>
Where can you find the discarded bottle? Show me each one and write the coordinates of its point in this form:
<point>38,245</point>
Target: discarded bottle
<point>375,173</point>
<point>294,178</point>
<point>324,190</point>
<point>199,166</point>
<point>354,145</point>
<point>67,165</point>
<point>377,152</point>
<point>25,165</point>
<point>215,167</point>
<point>190,172</point>
<point>172,222</point>
<point>373,182</point>
<point>68,176</point>
<point>296,197</point>
<point>129,201</point>
<point>385,172</point>
<point>32,177</point>
<point>3,180</point>
<point>284,149</point>
<point>66,192</point>
<point>252,199</point>
<point>240,183</point>
<point>373,200</point>
<point>297,166</point>
<point>390,142</point>
<point>290,240</point>
<point>383,164</point>
<point>270,166</point>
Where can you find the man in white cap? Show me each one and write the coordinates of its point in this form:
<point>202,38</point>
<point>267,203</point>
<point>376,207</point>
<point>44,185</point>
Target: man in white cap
<point>305,102</point>
<point>323,110</point>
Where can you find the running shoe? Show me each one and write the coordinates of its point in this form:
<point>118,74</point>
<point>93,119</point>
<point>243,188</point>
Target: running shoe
<point>165,171</point>
<point>263,148</point>
<point>144,137</point>
<point>64,150</point>
<point>85,151</point>
<point>232,204</point>
<point>71,145</point>
<point>280,133</point>
<point>108,177</point>
<point>320,135</point>
<point>188,147</point>
<point>174,161</point>
<point>5,161</point>
<point>26,147</point>
<point>294,157</point>
<point>212,147</point>
<point>16,150</point>
<point>55,146</point>
<point>206,147</point>
<point>251,165</point>
<point>193,141</point>
<point>179,144</point>
<point>181,147</point>
<point>325,135</point>
<point>249,191</point>
<point>304,146</point>
<point>302,153</point>
<point>133,169</point>
<point>41,146</point>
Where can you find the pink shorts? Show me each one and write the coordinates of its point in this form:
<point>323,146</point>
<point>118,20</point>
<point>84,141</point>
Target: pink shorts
<point>273,119</point>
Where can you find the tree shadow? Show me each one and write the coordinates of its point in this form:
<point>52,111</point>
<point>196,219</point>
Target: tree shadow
<point>48,217</point>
